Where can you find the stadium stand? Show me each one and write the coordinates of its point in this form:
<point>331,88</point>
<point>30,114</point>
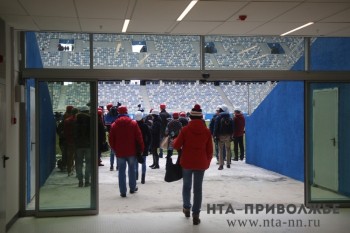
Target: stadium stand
<point>170,52</point>
<point>178,96</point>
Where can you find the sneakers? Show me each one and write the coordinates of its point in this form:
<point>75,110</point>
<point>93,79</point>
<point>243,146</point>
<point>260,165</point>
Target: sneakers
<point>123,195</point>
<point>186,212</point>
<point>135,190</point>
<point>221,167</point>
<point>228,165</point>
<point>111,168</point>
<point>235,159</point>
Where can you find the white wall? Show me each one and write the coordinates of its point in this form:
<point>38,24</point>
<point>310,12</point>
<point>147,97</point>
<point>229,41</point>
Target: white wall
<point>12,130</point>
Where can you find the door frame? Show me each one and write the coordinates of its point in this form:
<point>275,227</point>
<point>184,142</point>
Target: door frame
<point>308,169</point>
<point>94,173</point>
<point>335,182</point>
<point>2,153</point>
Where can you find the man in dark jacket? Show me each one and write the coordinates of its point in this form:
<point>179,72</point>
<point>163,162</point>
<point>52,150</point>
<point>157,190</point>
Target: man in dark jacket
<point>164,116</point>
<point>83,146</point>
<point>156,132</point>
<point>172,130</point>
<point>238,132</point>
<point>109,118</point>
<point>125,138</point>
<point>223,130</point>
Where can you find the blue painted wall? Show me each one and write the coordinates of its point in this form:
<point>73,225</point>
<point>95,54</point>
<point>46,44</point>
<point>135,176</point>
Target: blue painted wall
<point>330,54</point>
<point>47,125</point>
<point>275,131</point>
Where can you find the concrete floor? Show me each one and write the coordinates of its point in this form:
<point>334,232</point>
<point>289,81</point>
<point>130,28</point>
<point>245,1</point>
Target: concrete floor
<point>157,206</point>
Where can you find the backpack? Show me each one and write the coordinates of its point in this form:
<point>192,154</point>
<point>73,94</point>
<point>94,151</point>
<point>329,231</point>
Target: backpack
<point>226,126</point>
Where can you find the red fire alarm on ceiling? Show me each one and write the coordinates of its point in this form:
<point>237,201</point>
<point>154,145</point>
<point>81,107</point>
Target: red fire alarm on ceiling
<point>242,17</point>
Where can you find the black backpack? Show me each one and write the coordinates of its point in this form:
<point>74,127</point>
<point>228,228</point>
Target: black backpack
<point>226,126</point>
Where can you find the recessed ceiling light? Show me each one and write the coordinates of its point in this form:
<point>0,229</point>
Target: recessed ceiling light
<point>126,24</point>
<point>298,28</point>
<point>188,8</point>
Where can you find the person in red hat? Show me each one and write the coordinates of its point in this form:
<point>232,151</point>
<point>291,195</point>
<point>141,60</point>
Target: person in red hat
<point>183,119</point>
<point>109,105</point>
<point>196,144</point>
<point>109,118</point>
<point>125,138</point>
<point>164,116</point>
<point>172,130</point>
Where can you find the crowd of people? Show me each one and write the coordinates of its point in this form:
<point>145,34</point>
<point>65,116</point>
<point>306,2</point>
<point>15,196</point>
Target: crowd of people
<point>152,134</point>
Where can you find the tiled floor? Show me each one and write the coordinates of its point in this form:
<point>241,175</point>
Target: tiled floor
<point>175,222</point>
<point>157,206</point>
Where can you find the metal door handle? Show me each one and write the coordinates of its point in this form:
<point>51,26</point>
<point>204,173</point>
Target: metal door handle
<point>4,158</point>
<point>334,142</point>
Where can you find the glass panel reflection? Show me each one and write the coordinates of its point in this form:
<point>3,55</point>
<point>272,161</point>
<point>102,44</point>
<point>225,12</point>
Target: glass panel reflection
<point>66,146</point>
<point>329,146</point>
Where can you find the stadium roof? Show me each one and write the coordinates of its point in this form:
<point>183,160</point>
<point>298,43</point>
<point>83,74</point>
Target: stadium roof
<point>207,17</point>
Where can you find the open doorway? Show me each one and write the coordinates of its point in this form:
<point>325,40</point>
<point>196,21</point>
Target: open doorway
<point>242,183</point>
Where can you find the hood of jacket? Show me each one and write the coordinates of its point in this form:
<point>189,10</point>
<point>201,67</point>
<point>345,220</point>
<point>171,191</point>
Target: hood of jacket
<point>196,126</point>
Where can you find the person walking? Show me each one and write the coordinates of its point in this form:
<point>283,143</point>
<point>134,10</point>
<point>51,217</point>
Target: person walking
<point>69,128</point>
<point>155,144</point>
<point>146,136</point>
<point>223,131</point>
<point>83,146</point>
<point>172,131</point>
<point>164,117</point>
<point>197,151</point>
<point>101,136</point>
<point>238,132</point>
<point>183,119</point>
<point>125,137</point>
<point>216,142</point>
<point>109,119</point>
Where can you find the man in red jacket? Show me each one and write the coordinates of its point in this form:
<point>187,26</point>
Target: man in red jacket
<point>125,138</point>
<point>238,132</point>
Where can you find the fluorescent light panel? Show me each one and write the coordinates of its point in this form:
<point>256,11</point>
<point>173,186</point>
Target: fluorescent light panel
<point>298,28</point>
<point>126,24</point>
<point>188,8</point>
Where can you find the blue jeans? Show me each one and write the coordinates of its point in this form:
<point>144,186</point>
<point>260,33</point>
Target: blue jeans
<point>143,167</point>
<point>122,173</point>
<point>197,189</point>
<point>111,159</point>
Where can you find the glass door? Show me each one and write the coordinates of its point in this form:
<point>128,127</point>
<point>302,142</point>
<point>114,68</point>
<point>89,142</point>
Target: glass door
<point>66,157</point>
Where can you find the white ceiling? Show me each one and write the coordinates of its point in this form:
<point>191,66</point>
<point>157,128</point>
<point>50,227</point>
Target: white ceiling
<point>208,17</point>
